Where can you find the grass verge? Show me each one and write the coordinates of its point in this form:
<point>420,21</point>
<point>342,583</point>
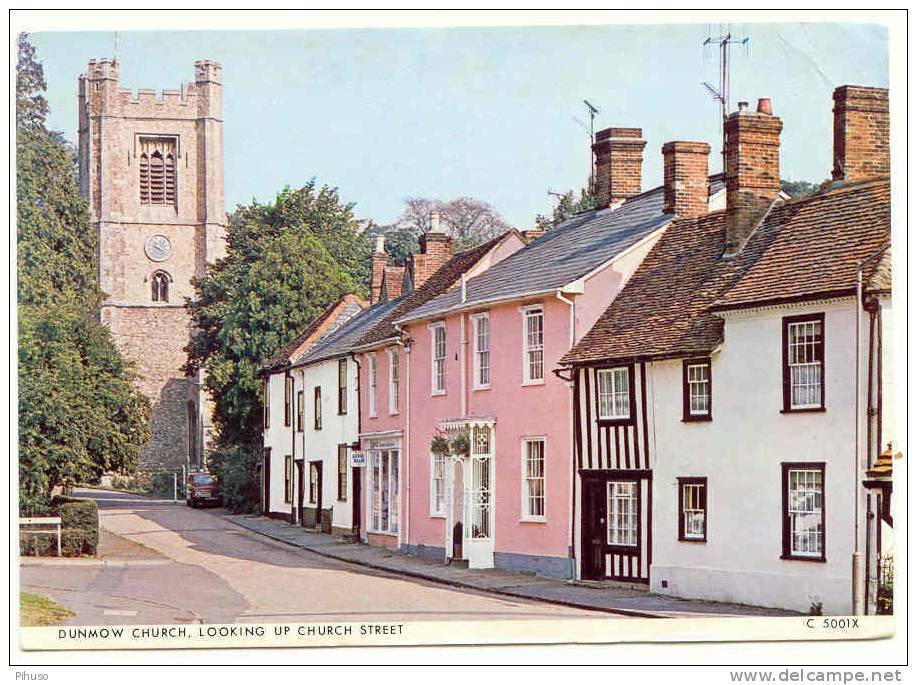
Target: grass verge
<point>35,610</point>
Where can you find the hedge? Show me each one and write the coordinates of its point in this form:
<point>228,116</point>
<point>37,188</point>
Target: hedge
<point>80,526</point>
<point>79,530</point>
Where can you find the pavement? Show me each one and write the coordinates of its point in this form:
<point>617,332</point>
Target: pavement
<point>164,563</point>
<point>609,598</point>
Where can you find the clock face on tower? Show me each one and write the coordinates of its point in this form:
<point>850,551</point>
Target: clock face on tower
<point>158,248</point>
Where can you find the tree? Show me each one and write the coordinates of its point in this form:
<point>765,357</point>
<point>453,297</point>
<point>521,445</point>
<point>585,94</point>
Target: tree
<point>565,208</point>
<point>469,221</point>
<point>286,262</point>
<point>400,241</point>
<point>798,188</point>
<point>80,413</point>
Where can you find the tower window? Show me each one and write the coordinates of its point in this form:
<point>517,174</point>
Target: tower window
<point>157,171</point>
<point>160,286</point>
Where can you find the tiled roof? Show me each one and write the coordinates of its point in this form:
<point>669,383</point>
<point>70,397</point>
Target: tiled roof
<point>805,248</point>
<point>342,341</point>
<point>822,237</point>
<point>564,254</point>
<point>441,280</point>
<point>325,323</point>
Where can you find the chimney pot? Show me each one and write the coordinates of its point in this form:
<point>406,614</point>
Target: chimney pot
<point>434,222</point>
<point>743,105</point>
<point>380,244</point>
<point>764,106</point>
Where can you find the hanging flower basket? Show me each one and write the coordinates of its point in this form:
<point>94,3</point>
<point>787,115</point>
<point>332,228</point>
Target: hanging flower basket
<point>439,445</point>
<point>461,444</point>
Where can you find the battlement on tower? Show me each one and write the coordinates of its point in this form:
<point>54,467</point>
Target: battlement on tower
<point>99,87</point>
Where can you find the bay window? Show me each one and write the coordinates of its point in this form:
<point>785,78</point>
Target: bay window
<point>383,490</point>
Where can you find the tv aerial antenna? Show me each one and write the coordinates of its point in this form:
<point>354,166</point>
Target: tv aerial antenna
<point>591,111</point>
<point>725,40</point>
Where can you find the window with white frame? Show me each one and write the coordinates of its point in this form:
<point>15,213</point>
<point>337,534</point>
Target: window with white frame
<point>438,358</point>
<point>533,345</point>
<point>533,493</point>
<point>373,375</point>
<point>697,389</point>
<point>622,513</point>
<point>438,484</point>
<point>692,499</point>
<point>804,516</point>
<point>394,380</point>
<point>383,491</point>
<point>803,372</point>
<point>481,324</point>
<point>614,393</point>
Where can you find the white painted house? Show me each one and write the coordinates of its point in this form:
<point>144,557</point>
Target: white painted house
<point>730,399</point>
<point>328,375</point>
<point>284,405</point>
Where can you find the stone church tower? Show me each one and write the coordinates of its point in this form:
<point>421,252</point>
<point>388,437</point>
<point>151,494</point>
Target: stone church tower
<point>151,168</point>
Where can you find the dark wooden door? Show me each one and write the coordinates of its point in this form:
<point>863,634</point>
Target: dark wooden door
<point>594,529</point>
<point>357,497</point>
<point>266,481</point>
<point>300,491</point>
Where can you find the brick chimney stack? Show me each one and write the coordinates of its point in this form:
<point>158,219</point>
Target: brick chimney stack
<point>686,184</point>
<point>380,259</point>
<point>435,250</point>
<point>860,134</point>
<point>752,170</point>
<point>618,164</point>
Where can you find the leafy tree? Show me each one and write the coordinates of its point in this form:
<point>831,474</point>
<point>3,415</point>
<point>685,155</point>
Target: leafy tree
<point>469,221</point>
<point>566,207</point>
<point>798,188</point>
<point>80,414</point>
<point>400,241</point>
<point>286,262</point>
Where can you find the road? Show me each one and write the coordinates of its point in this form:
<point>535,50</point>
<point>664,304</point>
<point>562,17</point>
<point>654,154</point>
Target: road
<point>167,563</point>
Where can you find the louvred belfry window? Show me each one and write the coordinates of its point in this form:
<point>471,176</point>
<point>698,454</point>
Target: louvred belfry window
<point>157,171</point>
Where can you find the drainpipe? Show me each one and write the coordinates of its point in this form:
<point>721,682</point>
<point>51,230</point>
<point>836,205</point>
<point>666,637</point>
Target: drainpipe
<point>857,560</point>
<point>571,501</point>
<point>406,518</point>
<point>463,392</point>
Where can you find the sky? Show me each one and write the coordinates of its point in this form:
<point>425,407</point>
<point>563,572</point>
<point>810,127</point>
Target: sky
<point>492,113</point>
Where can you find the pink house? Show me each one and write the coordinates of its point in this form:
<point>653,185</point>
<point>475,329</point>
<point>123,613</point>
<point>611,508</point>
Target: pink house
<point>385,375</point>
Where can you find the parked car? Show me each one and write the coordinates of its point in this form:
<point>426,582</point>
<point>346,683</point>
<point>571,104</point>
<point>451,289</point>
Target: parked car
<point>202,488</point>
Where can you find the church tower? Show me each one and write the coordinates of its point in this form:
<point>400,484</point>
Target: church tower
<point>151,168</point>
